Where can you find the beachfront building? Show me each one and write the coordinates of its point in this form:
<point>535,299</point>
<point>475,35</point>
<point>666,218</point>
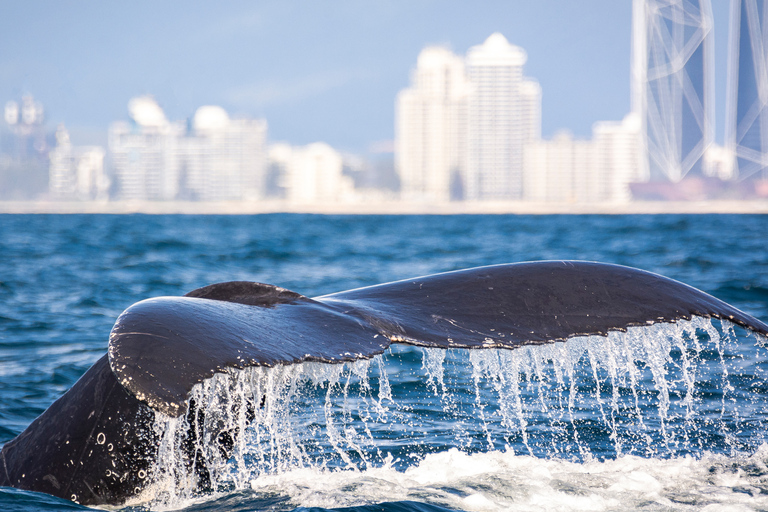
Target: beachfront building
<point>278,162</point>
<point>431,128</point>
<point>76,172</point>
<point>747,104</point>
<point>479,120</point>
<point>314,174</point>
<point>145,153</point>
<point>617,160</point>
<point>219,159</point>
<point>673,85</point>
<point>557,170</point>
<point>530,110</point>
<point>463,123</point>
<point>24,145</point>
<point>309,175</point>
<point>568,170</point>
<point>224,159</point>
<point>502,115</point>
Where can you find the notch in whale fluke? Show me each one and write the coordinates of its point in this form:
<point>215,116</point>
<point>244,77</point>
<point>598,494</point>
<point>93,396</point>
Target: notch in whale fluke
<point>95,444</point>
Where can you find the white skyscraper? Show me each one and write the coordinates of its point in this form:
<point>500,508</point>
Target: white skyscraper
<point>314,175</point>
<point>278,163</point>
<point>530,110</point>
<point>430,130</point>
<point>556,170</point>
<point>76,173</point>
<point>145,153</point>
<point>224,159</point>
<point>747,104</point>
<point>584,171</point>
<point>673,84</point>
<point>501,115</point>
<point>617,159</point>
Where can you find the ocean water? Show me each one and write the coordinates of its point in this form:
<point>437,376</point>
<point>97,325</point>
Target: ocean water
<point>669,417</point>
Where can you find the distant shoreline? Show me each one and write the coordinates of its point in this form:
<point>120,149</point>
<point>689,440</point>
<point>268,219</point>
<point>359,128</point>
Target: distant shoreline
<point>384,208</point>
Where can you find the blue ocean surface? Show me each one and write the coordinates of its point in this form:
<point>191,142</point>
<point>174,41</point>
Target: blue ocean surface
<point>665,417</point>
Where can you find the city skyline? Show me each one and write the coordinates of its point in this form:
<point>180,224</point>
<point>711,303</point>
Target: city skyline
<point>343,96</point>
<point>463,123</point>
<point>467,127</point>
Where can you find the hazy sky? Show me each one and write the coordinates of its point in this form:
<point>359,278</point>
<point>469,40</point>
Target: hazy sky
<point>316,70</point>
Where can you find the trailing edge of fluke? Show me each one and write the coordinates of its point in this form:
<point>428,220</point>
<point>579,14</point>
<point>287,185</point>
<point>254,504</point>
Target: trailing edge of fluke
<point>95,445</point>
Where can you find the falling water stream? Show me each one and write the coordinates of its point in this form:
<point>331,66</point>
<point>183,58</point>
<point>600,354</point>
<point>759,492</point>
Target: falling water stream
<point>672,395</point>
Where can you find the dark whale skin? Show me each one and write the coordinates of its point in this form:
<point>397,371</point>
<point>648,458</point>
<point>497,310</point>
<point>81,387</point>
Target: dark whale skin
<point>94,445</point>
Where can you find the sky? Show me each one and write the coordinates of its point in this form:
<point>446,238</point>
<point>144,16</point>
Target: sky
<point>315,70</point>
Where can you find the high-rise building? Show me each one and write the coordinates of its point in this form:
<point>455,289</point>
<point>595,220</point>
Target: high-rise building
<point>673,85</point>
<point>314,174</point>
<point>278,167</point>
<point>502,113</point>
<point>145,153</point>
<point>530,110</point>
<point>462,124</point>
<point>556,170</point>
<point>430,130</point>
<point>221,159</point>
<point>24,145</point>
<point>76,172</point>
<point>616,161</point>
<point>584,171</point>
<point>747,104</point>
<point>224,159</point>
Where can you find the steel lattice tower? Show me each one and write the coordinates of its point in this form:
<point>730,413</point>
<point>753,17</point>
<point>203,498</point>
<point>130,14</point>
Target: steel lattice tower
<point>747,103</point>
<point>673,84</point>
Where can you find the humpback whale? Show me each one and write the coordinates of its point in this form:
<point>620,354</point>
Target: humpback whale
<point>95,445</point>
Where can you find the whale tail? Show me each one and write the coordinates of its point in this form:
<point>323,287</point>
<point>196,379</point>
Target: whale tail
<point>95,445</point>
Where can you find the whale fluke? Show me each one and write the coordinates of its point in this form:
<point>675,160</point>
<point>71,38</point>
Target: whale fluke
<point>160,348</point>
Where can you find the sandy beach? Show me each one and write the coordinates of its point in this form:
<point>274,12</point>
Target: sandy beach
<point>384,208</point>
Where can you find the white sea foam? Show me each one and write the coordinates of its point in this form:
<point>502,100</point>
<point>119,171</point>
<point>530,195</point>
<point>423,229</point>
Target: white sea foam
<point>503,481</point>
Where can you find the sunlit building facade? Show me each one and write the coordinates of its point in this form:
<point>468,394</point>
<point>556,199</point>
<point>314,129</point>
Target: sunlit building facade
<point>479,118</point>
<point>431,128</point>
<point>145,153</point>
<point>76,172</point>
<point>224,159</point>
<point>502,111</point>
<point>314,174</point>
<point>24,145</point>
<point>556,169</point>
<point>617,160</point>
<point>673,85</point>
<point>747,104</point>
<point>219,159</point>
<point>530,110</point>
<point>568,170</point>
